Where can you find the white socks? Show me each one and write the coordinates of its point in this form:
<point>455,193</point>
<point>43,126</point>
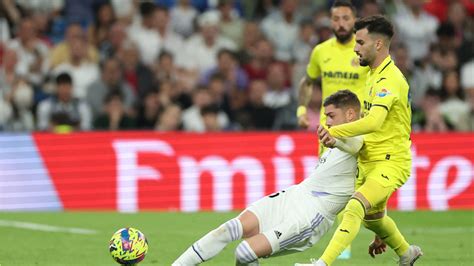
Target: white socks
<point>211,244</point>
<point>245,255</point>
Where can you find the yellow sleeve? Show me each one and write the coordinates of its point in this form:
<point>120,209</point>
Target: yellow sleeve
<point>370,123</point>
<point>312,69</point>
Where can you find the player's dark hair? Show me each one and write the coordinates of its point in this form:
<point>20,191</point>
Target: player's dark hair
<point>343,99</point>
<point>344,3</point>
<point>63,78</point>
<point>375,24</point>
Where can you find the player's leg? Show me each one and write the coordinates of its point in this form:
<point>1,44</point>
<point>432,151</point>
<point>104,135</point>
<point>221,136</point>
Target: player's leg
<point>371,193</point>
<point>211,244</point>
<point>252,248</point>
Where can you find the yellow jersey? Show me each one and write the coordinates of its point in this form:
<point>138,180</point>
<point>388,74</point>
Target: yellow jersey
<point>338,66</point>
<point>388,88</point>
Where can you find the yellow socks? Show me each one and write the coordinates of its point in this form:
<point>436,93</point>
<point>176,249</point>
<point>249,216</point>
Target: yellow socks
<point>346,232</point>
<point>386,229</point>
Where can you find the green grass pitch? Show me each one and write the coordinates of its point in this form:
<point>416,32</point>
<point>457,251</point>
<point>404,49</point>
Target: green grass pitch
<point>447,238</point>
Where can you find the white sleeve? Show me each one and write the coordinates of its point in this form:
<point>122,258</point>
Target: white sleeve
<point>350,145</point>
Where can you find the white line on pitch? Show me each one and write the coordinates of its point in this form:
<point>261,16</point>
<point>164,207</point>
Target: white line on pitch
<point>46,228</point>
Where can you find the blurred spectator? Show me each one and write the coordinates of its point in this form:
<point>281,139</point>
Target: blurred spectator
<point>322,22</point>
<point>192,119</point>
<point>453,106</point>
<point>9,16</point>
<point>202,48</point>
<point>149,109</point>
<point>182,17</point>
<point>301,51</point>
<point>171,93</point>
<point>278,95</point>
<point>305,43</point>
<point>83,72</point>
<point>210,118</point>
<point>260,117</point>
<point>463,27</point>
<point>281,28</point>
<point>170,40</point>
<point>115,116</point>
<point>169,119</point>
<point>145,34</point>
<point>230,23</point>
<point>370,8</point>
<point>415,28</point>
<point>139,76</point>
<point>228,67</point>
<point>32,53</point>
<point>164,68</point>
<point>16,97</point>
<point>124,10</point>
<point>80,11</point>
<point>261,60</point>
<point>99,30</point>
<point>251,35</point>
<point>111,80</point>
<point>63,110</point>
<point>429,118</point>
<point>115,38</point>
<point>61,53</point>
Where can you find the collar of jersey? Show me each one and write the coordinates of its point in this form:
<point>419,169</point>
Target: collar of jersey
<point>384,64</point>
<point>349,44</point>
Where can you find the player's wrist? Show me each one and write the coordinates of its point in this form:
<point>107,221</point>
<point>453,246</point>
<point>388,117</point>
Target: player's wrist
<point>301,110</point>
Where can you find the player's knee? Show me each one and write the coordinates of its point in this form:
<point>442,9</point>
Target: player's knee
<point>244,253</point>
<point>373,219</point>
<point>229,231</point>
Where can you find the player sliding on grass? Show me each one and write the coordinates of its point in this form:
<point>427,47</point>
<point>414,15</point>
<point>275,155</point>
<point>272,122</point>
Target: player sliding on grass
<point>297,217</point>
<point>385,159</point>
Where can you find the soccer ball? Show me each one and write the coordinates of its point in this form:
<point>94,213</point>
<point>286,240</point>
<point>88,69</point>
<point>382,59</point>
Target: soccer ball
<point>128,246</point>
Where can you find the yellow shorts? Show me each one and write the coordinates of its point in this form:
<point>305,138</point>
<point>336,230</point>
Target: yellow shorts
<point>377,181</point>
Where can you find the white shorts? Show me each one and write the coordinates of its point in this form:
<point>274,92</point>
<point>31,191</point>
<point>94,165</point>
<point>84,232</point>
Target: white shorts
<point>294,218</point>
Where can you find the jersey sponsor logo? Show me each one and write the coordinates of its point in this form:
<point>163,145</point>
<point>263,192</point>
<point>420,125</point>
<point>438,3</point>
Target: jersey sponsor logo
<point>278,234</point>
<point>340,75</point>
<point>384,92</point>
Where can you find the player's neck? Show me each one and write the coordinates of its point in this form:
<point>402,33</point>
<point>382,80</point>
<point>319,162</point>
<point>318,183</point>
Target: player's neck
<point>379,59</point>
<point>346,41</point>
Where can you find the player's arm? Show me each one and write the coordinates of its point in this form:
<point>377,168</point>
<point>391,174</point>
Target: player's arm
<point>305,89</point>
<point>370,123</point>
<point>381,105</point>
<point>349,145</point>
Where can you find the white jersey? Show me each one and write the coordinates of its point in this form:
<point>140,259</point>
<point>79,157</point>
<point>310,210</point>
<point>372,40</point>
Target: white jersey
<point>336,172</point>
<point>298,217</point>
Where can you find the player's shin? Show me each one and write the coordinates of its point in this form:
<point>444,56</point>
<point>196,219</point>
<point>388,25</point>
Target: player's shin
<point>346,232</point>
<point>387,230</point>
<point>211,244</point>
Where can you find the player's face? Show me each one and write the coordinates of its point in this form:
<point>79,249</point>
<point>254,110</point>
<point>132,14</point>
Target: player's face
<point>342,23</point>
<point>365,47</point>
<point>334,116</point>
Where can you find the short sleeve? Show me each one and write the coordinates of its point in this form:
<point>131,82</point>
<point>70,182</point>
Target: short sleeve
<point>313,70</point>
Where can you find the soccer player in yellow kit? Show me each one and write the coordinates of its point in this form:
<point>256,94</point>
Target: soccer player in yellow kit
<point>385,158</point>
<point>335,62</point>
<point>338,66</point>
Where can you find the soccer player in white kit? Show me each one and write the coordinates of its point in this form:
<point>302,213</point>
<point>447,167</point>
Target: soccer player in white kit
<point>297,217</point>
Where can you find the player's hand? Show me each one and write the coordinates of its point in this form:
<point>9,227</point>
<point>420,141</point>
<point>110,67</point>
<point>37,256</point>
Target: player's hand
<point>325,138</point>
<point>377,247</point>
<point>303,121</point>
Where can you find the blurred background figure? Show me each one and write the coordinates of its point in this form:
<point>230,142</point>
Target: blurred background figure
<point>63,112</point>
<point>169,119</point>
<point>114,115</point>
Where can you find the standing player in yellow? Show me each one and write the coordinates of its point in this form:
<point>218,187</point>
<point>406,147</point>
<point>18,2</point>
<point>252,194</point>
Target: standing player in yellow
<point>335,62</point>
<point>338,66</point>
<point>385,159</point>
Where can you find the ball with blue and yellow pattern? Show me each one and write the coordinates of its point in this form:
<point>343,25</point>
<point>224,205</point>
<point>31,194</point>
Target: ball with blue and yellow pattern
<point>128,246</point>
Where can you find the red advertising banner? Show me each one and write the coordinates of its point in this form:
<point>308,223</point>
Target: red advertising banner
<point>225,171</point>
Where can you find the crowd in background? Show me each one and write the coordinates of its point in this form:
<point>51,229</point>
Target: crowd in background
<point>211,65</point>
